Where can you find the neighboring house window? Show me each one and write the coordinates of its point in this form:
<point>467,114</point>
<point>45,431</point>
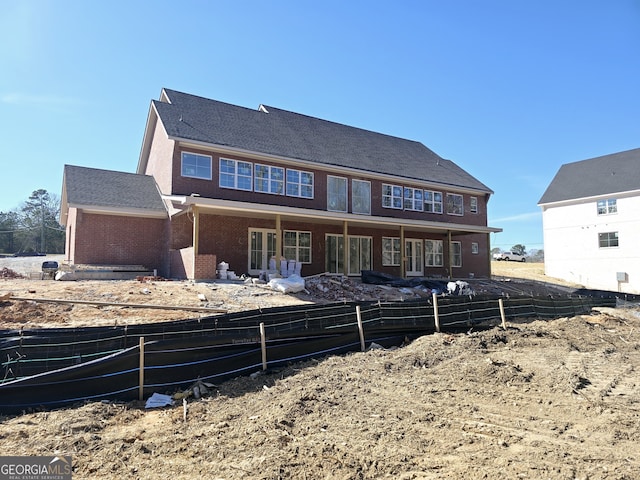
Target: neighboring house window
<point>391,196</point>
<point>297,246</point>
<point>433,250</point>
<point>607,207</point>
<point>432,201</point>
<point>361,197</point>
<point>196,166</point>
<point>474,248</point>
<point>268,179</point>
<point>235,174</point>
<point>608,239</point>
<point>336,194</point>
<point>473,205</point>
<point>454,204</point>
<point>390,251</point>
<point>413,199</point>
<point>299,183</point>
<point>456,254</point>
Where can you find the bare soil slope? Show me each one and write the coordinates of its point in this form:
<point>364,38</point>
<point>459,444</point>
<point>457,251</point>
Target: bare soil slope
<point>544,399</point>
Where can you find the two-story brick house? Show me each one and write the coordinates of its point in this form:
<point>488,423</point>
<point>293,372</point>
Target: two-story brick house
<point>246,186</point>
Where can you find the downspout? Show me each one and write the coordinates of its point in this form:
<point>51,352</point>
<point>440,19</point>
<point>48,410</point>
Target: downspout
<point>449,254</point>
<point>345,251</point>
<point>403,254</point>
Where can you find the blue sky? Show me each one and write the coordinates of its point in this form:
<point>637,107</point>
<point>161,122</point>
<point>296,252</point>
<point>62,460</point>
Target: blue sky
<point>509,90</point>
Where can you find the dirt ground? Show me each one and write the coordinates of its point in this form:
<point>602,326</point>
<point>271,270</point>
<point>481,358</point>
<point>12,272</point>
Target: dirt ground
<point>543,399</point>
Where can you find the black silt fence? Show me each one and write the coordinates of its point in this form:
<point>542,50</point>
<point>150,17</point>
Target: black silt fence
<point>49,368</point>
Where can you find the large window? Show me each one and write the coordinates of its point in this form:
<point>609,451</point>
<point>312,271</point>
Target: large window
<point>608,239</point>
<point>269,179</point>
<point>361,197</point>
<point>433,253</point>
<point>196,166</point>
<point>235,174</point>
<point>334,253</point>
<point>336,194</point>
<point>390,251</point>
<point>299,183</point>
<point>262,246</point>
<point>456,254</point>
<point>454,204</point>
<point>432,201</point>
<point>413,199</point>
<point>359,255</point>
<point>391,196</point>
<point>608,206</point>
<point>297,246</point>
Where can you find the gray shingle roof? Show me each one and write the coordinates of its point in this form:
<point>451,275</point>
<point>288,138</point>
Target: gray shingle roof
<point>291,135</point>
<point>609,174</point>
<point>106,188</point>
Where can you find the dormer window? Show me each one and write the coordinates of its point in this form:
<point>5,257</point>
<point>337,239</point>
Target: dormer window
<point>607,207</point>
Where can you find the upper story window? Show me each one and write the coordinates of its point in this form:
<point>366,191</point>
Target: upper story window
<point>235,174</point>
<point>607,207</point>
<point>391,196</point>
<point>361,197</point>
<point>454,204</point>
<point>608,239</point>
<point>413,199</point>
<point>299,183</point>
<point>432,201</point>
<point>473,204</point>
<point>268,179</point>
<point>336,194</point>
<point>475,248</point>
<point>196,166</point>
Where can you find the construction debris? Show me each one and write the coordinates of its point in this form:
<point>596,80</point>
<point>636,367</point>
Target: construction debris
<point>8,273</point>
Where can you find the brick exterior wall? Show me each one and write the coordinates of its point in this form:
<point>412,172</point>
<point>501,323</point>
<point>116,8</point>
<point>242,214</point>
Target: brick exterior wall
<point>118,240</point>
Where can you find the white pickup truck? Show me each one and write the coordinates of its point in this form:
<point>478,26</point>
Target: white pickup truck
<point>509,256</point>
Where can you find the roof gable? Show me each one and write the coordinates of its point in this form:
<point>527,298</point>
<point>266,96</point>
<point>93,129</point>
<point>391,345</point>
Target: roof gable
<point>273,131</point>
<point>94,187</point>
<point>606,175</point>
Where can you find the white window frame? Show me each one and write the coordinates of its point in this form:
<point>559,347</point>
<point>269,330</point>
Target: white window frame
<point>392,198</point>
<point>235,175</point>
<point>475,248</point>
<point>433,253</point>
<point>337,193</point>
<point>297,248</point>
<point>473,204</point>
<point>456,254</point>
<point>391,252</point>
<point>410,202</point>
<point>359,239</point>
<point>431,204</point>
<point>455,204</point>
<point>274,183</point>
<point>264,248</point>
<point>608,206</point>
<point>297,187</point>
<point>200,162</point>
<point>361,203</point>
<point>612,240</point>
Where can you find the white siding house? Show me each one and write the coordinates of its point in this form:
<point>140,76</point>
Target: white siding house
<point>591,223</point>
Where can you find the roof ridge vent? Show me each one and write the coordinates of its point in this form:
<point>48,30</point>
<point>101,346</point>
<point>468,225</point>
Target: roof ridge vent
<point>263,109</point>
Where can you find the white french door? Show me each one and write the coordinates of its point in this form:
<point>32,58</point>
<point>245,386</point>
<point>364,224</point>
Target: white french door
<point>414,254</point>
<point>262,246</point>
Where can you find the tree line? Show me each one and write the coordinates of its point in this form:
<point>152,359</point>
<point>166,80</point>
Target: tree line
<point>34,227</point>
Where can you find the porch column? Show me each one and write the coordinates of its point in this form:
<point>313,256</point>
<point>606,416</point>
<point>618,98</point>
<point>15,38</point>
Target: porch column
<point>403,254</point>
<point>278,241</point>
<point>449,254</point>
<point>345,242</point>
<point>196,229</point>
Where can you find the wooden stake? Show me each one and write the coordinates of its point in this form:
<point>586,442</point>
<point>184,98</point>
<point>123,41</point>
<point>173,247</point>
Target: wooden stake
<point>501,304</point>
<point>141,377</point>
<point>360,329</point>
<point>263,346</point>
<point>435,312</point>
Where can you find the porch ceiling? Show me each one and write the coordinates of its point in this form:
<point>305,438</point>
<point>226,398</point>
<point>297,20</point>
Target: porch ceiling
<point>253,210</point>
